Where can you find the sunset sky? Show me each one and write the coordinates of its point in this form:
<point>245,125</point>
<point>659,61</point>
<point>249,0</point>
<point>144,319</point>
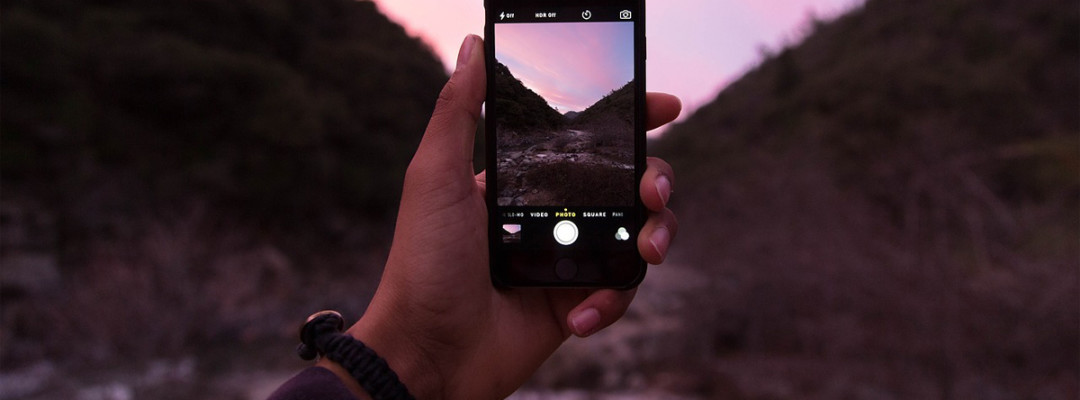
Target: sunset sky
<point>695,47</point>
<point>571,65</point>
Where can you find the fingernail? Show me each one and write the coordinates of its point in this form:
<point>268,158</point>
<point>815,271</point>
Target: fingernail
<point>659,241</point>
<point>663,188</point>
<point>465,51</point>
<point>585,321</point>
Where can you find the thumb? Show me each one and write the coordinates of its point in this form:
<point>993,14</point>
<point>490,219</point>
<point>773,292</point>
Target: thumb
<point>447,146</point>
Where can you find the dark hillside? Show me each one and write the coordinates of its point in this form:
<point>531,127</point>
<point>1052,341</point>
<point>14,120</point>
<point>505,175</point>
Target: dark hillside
<point>891,207</point>
<point>618,105</point>
<point>182,178</point>
<point>284,110</point>
<point>611,119</point>
<point>521,110</point>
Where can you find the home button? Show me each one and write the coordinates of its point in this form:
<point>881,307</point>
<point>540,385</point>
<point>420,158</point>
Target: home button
<point>566,269</point>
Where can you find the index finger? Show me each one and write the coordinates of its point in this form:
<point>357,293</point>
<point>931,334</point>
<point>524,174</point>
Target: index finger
<point>660,108</point>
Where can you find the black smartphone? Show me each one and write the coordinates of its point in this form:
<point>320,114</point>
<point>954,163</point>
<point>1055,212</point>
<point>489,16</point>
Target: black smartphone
<point>565,141</point>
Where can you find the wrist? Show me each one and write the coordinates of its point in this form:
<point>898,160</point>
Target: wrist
<point>400,356</point>
<point>412,366</point>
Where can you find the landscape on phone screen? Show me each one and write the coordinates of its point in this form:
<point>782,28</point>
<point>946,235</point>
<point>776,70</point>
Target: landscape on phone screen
<point>564,114</point>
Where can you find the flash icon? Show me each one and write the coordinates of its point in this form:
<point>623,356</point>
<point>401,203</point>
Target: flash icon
<point>502,16</point>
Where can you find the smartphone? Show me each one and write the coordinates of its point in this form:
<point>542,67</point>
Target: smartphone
<point>565,141</point>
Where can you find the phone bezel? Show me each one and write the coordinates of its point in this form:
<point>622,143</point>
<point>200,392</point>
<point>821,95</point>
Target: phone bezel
<point>502,275</point>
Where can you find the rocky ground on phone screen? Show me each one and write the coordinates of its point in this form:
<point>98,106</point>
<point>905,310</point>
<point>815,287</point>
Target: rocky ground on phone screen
<point>571,167</point>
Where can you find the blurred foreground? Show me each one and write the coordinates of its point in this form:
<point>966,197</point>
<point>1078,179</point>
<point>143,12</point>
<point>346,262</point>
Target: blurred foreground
<point>888,210</point>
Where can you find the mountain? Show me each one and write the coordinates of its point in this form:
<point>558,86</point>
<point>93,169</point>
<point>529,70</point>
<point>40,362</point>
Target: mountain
<point>205,170</point>
<point>283,110</point>
<point>611,120</point>
<point>897,193</point>
<point>616,107</point>
<point>521,110</point>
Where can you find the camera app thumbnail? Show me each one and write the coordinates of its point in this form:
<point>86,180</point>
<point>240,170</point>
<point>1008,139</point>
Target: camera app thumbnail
<point>511,233</point>
<point>564,114</point>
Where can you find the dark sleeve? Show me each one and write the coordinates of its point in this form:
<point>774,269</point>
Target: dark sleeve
<point>314,383</point>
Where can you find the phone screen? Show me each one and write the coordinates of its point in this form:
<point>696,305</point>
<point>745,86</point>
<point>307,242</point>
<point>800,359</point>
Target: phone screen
<point>565,142</point>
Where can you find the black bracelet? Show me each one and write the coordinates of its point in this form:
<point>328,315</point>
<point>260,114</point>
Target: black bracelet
<point>321,335</point>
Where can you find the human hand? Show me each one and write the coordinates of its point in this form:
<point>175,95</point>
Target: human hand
<point>436,317</point>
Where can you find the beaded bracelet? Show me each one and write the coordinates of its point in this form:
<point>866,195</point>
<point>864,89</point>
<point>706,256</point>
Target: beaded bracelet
<point>322,335</point>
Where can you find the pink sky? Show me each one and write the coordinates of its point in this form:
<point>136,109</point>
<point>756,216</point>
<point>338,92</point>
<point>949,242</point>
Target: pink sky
<point>695,47</point>
<point>571,65</point>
